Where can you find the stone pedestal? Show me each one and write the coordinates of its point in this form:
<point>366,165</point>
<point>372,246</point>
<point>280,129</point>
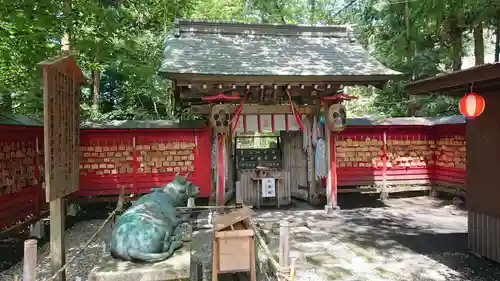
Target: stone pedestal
<point>175,268</point>
<point>331,209</point>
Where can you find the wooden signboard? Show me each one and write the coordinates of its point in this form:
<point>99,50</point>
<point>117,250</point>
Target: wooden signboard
<point>61,93</point>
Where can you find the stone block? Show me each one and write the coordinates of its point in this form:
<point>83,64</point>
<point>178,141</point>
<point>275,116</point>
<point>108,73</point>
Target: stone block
<point>176,268</point>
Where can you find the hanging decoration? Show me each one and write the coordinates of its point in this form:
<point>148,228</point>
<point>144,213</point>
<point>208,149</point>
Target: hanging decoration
<point>320,159</point>
<point>471,105</point>
<point>337,117</point>
<point>297,115</point>
<point>220,118</point>
<point>306,135</point>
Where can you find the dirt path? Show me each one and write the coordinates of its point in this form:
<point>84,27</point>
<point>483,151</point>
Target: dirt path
<point>408,239</point>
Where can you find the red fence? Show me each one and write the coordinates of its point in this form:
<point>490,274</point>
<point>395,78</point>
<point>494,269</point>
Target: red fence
<point>141,159</point>
<point>21,194</point>
<point>148,154</point>
<point>137,159</point>
<point>418,153</point>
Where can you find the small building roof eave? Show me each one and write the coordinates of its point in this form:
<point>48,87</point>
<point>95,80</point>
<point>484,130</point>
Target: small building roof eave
<point>483,78</point>
<point>374,80</point>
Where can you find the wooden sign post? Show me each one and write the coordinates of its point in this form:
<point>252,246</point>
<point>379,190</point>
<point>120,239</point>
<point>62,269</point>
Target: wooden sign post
<point>62,79</point>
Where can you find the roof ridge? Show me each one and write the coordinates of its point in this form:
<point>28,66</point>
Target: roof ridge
<point>210,27</point>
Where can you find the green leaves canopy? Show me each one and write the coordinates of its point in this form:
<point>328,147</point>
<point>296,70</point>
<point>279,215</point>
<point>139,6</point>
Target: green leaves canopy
<point>120,46</point>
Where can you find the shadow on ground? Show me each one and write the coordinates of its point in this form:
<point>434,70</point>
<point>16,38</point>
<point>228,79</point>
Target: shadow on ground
<point>413,232</point>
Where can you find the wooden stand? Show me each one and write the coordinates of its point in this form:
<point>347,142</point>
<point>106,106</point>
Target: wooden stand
<point>251,189</point>
<point>233,246</point>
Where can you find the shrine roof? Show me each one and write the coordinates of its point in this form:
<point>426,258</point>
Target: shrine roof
<point>142,124</point>
<point>215,48</point>
<point>407,121</point>
<point>19,120</point>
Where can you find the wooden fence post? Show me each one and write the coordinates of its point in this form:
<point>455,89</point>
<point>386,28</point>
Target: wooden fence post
<point>29,264</point>
<point>284,246</point>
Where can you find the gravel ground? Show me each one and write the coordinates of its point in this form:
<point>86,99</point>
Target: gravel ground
<point>76,237</point>
<point>406,239</point>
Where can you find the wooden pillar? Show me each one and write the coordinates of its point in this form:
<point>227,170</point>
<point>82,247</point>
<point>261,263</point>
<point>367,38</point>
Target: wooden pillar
<point>331,167</point>
<point>312,183</point>
<point>228,165</point>
<point>57,245</point>
<point>29,264</point>
<point>221,168</point>
<point>284,244</point>
<point>383,193</point>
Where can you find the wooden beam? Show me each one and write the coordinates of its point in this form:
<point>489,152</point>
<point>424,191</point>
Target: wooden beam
<point>271,94</point>
<point>201,90</point>
<point>230,84</point>
<point>255,109</point>
<point>323,79</point>
<point>57,241</point>
<point>454,80</point>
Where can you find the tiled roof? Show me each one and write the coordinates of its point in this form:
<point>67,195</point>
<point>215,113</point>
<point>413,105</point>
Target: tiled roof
<point>143,124</point>
<point>19,120</point>
<point>270,50</point>
<point>407,121</point>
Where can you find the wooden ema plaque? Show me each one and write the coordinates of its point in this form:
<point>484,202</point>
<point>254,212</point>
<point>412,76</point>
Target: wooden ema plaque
<point>18,165</point>
<point>61,79</point>
<point>154,157</point>
<point>233,244</point>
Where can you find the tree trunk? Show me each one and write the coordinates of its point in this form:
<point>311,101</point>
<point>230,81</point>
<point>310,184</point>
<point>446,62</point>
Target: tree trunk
<point>96,87</point>
<point>312,17</point>
<point>478,43</point>
<point>497,41</point>
<point>408,31</point>
<point>456,45</point>
<point>6,103</point>
<point>412,106</point>
<point>96,78</point>
<point>67,36</point>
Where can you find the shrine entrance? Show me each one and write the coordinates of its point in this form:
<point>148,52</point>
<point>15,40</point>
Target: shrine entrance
<point>280,89</point>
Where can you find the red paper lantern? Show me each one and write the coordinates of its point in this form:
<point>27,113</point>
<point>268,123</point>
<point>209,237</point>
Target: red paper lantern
<point>472,105</point>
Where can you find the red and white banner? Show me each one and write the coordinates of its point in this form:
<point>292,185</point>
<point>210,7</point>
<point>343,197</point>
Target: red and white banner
<point>266,123</point>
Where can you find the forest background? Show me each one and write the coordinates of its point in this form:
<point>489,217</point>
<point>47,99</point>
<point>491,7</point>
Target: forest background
<point>120,46</point>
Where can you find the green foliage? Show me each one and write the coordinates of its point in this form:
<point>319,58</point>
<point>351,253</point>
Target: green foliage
<point>120,45</point>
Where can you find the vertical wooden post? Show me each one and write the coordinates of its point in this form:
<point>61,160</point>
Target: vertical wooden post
<point>312,184</point>
<point>292,269</point>
<point>29,264</point>
<point>135,166</point>
<point>229,166</point>
<point>331,168</point>
<point>383,194</point>
<point>284,244</point>
<point>327,159</point>
<point>220,191</point>
<point>57,246</point>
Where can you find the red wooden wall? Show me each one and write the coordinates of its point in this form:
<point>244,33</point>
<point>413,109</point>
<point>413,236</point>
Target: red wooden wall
<point>450,156</point>
<point>414,155</point>
<point>141,159</point>
<point>21,193</point>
